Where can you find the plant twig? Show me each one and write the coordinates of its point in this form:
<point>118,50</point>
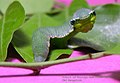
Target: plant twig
<point>36,67</point>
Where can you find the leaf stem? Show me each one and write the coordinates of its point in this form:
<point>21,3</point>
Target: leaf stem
<point>40,65</point>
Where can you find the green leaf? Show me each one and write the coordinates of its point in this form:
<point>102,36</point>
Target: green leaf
<point>114,50</point>
<point>13,18</point>
<point>22,39</point>
<point>55,54</point>
<point>31,6</point>
<point>1,15</point>
<point>76,5</point>
<point>105,34</point>
<point>69,11</point>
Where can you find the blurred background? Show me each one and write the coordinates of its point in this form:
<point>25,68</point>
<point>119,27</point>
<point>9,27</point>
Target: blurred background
<point>92,2</point>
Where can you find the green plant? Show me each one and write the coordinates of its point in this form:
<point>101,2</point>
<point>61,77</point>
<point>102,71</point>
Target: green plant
<point>17,28</point>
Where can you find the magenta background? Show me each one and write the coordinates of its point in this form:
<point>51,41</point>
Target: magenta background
<point>108,67</point>
<point>91,2</point>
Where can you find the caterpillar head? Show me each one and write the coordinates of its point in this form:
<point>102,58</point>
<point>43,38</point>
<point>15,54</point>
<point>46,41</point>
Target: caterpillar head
<point>83,20</point>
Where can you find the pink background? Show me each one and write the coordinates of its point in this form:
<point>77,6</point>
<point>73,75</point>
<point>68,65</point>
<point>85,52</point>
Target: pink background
<point>91,2</point>
<point>102,70</point>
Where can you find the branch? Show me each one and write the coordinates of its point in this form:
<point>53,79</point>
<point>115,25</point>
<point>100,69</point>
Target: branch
<point>36,67</point>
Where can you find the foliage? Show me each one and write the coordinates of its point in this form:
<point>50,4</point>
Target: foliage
<point>11,21</point>
<point>104,36</point>
<point>30,6</point>
<point>106,31</point>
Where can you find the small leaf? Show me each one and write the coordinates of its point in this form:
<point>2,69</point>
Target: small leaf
<point>31,6</point>
<point>114,50</point>
<point>76,5</point>
<point>55,54</point>
<point>69,11</point>
<point>22,39</point>
<point>0,16</point>
<point>106,31</point>
<point>13,18</point>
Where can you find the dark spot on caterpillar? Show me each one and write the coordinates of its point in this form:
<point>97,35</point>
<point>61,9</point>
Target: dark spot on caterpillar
<point>94,13</point>
<point>72,22</point>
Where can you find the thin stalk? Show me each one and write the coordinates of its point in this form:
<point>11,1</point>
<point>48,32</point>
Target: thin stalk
<point>36,67</point>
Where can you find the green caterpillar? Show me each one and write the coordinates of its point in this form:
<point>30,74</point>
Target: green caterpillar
<point>57,37</point>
